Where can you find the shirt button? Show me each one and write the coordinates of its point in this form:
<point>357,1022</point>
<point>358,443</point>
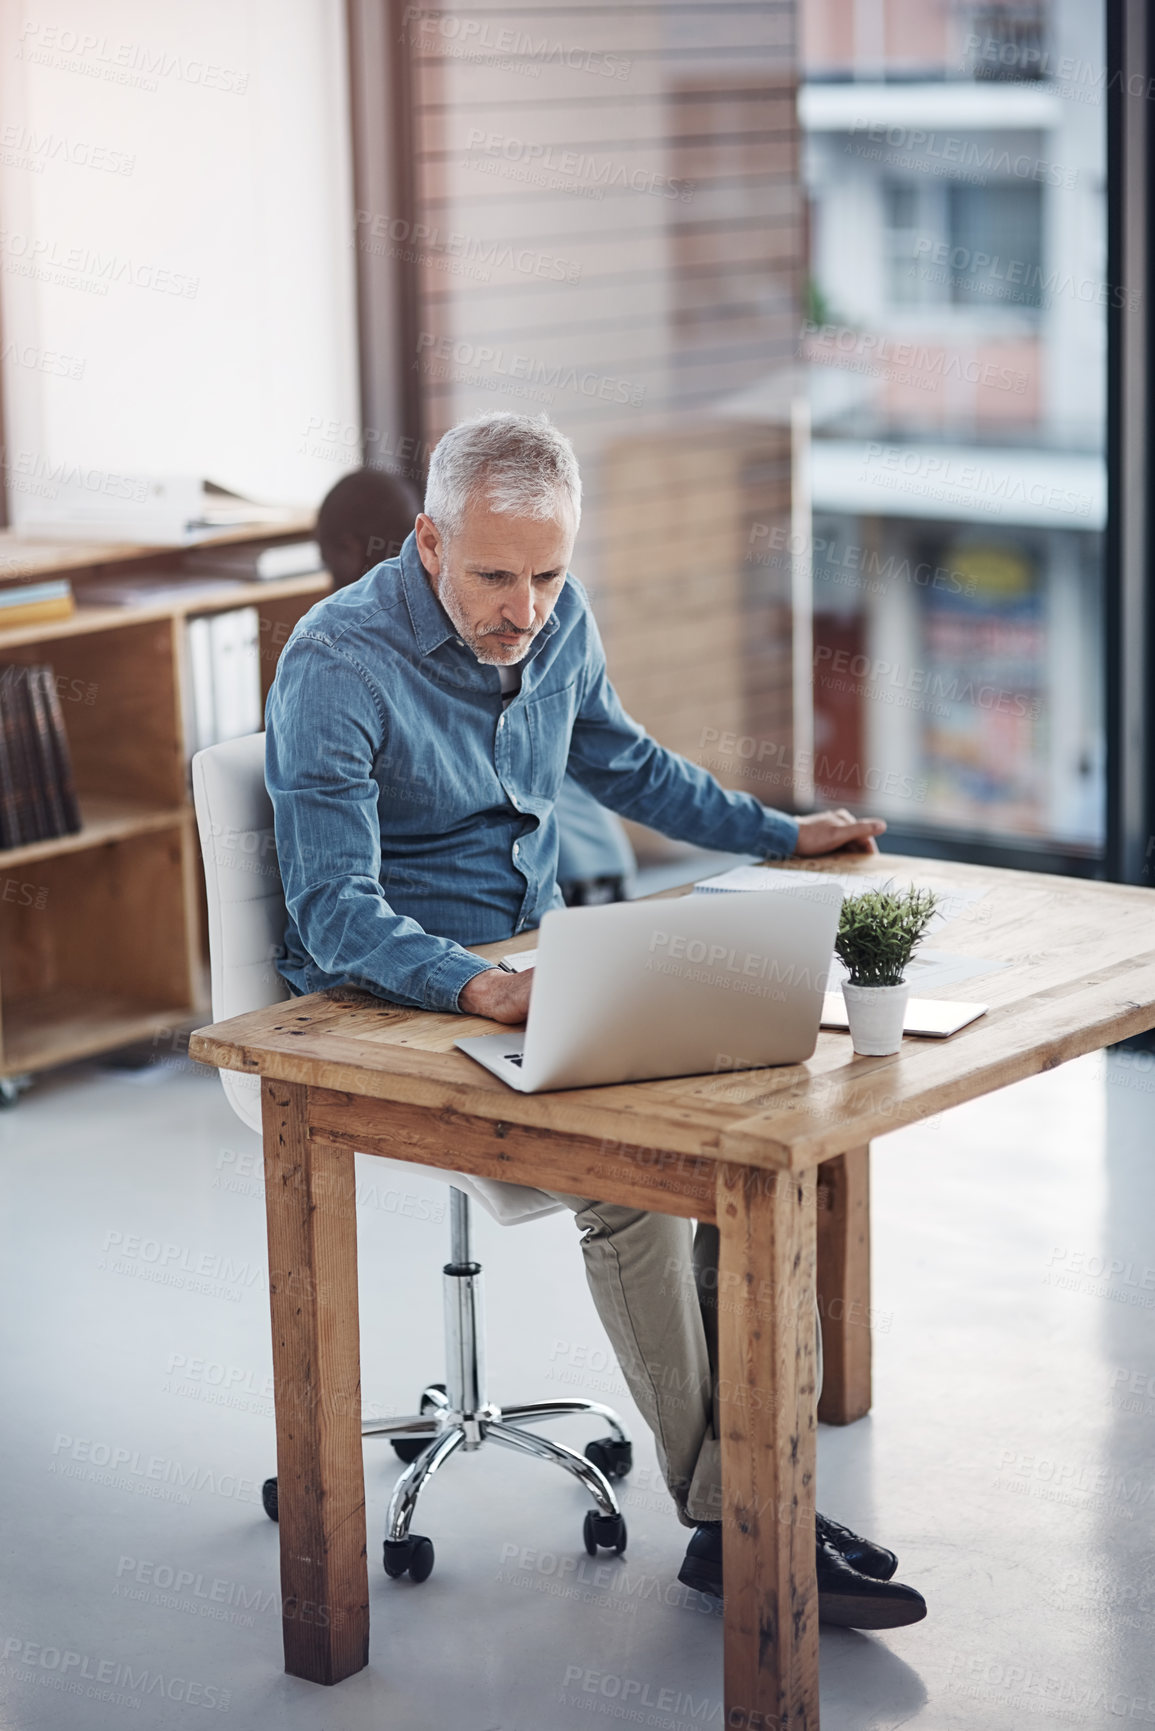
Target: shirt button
<point>515,850</point>
<point>501,721</point>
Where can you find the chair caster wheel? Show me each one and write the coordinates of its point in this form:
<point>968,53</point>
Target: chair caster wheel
<point>408,1448</point>
<point>608,1531</point>
<point>614,1457</point>
<point>269,1498</point>
<point>412,1556</point>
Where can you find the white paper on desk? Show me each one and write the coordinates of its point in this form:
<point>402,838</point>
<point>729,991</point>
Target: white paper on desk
<point>521,961</point>
<point>931,971</point>
<point>952,902</point>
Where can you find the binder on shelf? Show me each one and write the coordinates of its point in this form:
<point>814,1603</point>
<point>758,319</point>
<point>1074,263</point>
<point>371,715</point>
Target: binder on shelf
<point>161,590</point>
<point>223,683</point>
<point>17,825</point>
<point>37,788</point>
<point>61,755</point>
<point>257,564</point>
<point>236,672</point>
<point>199,685</point>
<point>49,804</point>
<point>32,807</point>
<point>10,834</point>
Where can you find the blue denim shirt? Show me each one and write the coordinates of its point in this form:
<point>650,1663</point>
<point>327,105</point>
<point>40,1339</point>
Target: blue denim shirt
<point>414,815</point>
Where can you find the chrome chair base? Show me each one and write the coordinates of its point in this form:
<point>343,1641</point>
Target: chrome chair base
<point>460,1416</point>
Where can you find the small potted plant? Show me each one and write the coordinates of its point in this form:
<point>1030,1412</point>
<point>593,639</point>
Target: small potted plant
<point>878,932</point>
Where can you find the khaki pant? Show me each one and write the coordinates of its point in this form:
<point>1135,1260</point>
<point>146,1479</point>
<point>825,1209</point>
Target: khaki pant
<point>654,1280</point>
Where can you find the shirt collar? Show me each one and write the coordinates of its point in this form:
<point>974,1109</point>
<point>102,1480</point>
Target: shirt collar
<point>431,624</point>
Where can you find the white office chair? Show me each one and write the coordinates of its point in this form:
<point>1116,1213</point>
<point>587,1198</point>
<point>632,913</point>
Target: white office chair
<point>246,922</point>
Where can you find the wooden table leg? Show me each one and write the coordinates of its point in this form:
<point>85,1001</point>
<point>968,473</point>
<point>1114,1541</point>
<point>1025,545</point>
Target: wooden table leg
<point>766,1377</point>
<point>844,1286</point>
<point>311,1205</point>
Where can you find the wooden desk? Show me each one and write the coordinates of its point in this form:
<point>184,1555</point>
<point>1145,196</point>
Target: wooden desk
<point>752,1150</point>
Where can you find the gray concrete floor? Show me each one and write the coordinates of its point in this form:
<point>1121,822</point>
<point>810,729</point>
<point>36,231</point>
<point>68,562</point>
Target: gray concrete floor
<point>1009,1458</point>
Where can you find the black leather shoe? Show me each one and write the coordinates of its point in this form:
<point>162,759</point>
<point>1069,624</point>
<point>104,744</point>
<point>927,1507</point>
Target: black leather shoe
<point>702,1566</point>
<point>867,1558</point>
<point>856,1601</point>
<point>845,1597</point>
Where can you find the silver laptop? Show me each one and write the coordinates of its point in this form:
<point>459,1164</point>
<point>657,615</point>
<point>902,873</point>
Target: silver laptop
<point>683,987</point>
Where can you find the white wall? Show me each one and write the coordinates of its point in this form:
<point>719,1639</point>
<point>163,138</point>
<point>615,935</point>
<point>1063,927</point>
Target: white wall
<point>184,247</point>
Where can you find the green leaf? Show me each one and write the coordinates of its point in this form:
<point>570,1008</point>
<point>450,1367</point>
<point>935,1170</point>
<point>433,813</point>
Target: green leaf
<point>879,931</point>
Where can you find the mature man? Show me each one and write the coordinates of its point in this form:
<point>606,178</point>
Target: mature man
<point>419,729</point>
<point>366,517</point>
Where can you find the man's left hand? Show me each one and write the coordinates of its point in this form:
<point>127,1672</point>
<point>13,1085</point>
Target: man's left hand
<point>827,831</point>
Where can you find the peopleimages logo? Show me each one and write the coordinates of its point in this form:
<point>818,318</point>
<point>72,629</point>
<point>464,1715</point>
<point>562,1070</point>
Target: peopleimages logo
<point>479,37</point>
<point>967,153</point>
<point>22,147</point>
<point>941,473</point>
<point>592,171</point>
<point>70,1669</point>
<point>719,960</point>
<point>877,355</point>
<point>491,361</point>
<point>1024,276</point>
<point>428,240</point>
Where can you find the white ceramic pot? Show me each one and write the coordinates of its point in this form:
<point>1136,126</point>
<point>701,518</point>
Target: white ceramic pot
<point>875,1015</point>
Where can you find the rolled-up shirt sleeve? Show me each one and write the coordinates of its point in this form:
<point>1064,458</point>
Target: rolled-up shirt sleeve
<point>615,759</point>
<point>328,836</point>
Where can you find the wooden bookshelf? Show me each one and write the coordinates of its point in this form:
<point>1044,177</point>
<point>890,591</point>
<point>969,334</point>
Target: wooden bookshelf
<point>102,932</point>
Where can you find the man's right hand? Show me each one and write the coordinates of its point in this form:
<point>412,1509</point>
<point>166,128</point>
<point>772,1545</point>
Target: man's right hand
<point>500,996</point>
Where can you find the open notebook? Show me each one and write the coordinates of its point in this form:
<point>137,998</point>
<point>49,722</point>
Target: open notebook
<point>930,1018</point>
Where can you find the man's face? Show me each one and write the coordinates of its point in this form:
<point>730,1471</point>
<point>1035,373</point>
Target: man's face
<point>498,579</point>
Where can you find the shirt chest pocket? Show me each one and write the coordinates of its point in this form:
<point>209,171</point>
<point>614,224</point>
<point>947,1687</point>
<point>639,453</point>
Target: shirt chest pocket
<point>550,720</point>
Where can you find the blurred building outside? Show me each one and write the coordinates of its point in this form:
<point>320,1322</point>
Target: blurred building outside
<point>686,259</point>
<point>956,341</point>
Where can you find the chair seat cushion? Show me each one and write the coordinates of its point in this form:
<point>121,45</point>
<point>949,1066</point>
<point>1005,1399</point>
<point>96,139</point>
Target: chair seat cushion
<point>509,1204</point>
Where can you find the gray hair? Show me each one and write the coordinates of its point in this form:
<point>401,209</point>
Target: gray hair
<point>520,465</point>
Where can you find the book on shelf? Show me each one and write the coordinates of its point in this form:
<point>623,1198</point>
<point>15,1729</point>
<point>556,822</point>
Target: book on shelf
<point>222,677</point>
<point>160,590</point>
<point>19,821</point>
<point>35,603</point>
<point>256,564</point>
<point>37,786</point>
<point>59,757</point>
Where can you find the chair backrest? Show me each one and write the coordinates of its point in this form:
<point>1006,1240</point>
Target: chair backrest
<point>246,905</point>
<point>246,919</point>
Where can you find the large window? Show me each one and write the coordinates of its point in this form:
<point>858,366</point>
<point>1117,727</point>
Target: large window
<point>176,278</point>
<point>612,218</point>
<point>957,352</point>
<point>834,360</point>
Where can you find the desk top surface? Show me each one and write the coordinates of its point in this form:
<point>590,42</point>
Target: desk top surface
<point>1079,974</point>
